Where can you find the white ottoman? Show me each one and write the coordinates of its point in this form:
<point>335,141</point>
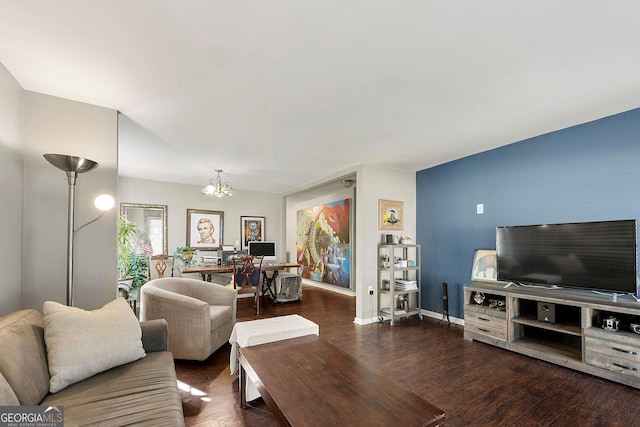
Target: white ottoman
<point>254,332</point>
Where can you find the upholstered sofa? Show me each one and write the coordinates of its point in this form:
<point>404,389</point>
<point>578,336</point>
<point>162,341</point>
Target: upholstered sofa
<point>200,315</point>
<point>140,392</point>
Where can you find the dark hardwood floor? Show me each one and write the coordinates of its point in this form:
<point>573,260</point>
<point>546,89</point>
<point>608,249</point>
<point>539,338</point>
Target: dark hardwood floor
<point>475,384</point>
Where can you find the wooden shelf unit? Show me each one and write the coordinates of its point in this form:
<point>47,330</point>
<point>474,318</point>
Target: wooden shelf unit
<point>576,340</point>
<point>388,272</point>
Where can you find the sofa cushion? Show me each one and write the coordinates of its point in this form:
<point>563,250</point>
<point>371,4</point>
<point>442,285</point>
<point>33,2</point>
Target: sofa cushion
<point>23,359</point>
<point>83,343</point>
<point>139,393</point>
<point>7,396</point>
<point>220,314</point>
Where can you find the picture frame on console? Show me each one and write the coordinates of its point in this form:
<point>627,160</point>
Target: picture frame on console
<point>205,229</point>
<point>484,266</point>
<point>390,215</point>
<point>252,229</point>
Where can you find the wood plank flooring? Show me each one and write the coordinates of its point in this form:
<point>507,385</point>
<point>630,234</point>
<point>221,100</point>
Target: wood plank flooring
<point>476,384</point>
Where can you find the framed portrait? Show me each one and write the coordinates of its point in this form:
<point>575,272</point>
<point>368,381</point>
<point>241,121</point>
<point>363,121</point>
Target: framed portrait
<point>390,215</point>
<point>252,230</point>
<point>204,229</point>
<point>485,268</point>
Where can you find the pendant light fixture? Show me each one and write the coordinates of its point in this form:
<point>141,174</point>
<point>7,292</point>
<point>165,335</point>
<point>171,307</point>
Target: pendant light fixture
<point>217,187</point>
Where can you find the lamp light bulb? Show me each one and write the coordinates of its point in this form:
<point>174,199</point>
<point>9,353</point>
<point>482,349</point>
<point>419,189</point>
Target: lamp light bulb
<point>104,202</point>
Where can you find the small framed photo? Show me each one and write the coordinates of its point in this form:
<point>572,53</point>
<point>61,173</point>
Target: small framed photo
<point>390,215</point>
<point>252,230</point>
<point>204,229</point>
<point>485,268</point>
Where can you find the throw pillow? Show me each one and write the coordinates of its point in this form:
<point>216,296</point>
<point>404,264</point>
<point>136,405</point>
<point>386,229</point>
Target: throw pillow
<point>83,343</point>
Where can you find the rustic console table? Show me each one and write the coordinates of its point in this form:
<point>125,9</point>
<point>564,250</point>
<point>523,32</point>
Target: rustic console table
<point>308,381</point>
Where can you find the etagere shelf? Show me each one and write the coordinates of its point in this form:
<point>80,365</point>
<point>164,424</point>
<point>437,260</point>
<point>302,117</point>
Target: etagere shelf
<point>398,281</point>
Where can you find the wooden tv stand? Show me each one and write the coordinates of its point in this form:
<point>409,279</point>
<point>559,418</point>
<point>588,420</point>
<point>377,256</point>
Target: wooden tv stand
<point>508,318</point>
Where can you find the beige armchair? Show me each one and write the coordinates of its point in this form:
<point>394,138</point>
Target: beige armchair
<point>200,315</point>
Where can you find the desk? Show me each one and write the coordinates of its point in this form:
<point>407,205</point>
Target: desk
<point>308,381</point>
<point>207,270</point>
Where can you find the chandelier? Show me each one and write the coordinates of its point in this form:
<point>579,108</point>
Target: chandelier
<point>217,187</point>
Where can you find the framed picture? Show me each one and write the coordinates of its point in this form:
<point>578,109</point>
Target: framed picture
<point>484,266</point>
<point>323,243</point>
<point>390,215</point>
<point>252,230</point>
<point>204,229</point>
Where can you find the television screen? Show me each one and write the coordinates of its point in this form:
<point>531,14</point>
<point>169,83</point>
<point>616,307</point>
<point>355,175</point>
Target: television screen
<point>592,255</point>
<point>266,249</point>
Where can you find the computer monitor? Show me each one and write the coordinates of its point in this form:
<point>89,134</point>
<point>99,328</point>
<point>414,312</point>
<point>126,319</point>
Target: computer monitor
<point>266,249</point>
<point>227,256</point>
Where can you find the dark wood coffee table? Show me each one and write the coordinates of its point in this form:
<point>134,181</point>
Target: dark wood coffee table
<point>308,381</point>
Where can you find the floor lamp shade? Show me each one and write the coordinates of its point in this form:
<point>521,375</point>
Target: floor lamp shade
<point>72,166</point>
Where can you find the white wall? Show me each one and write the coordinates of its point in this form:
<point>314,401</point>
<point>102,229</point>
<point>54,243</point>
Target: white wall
<point>373,183</point>
<point>180,197</point>
<point>11,164</point>
<point>376,183</point>
<point>55,125</point>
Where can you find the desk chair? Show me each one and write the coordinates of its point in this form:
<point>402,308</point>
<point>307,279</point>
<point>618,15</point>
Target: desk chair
<point>158,266</point>
<point>246,276</point>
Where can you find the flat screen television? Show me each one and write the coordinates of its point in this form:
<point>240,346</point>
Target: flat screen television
<point>591,255</point>
<point>266,249</point>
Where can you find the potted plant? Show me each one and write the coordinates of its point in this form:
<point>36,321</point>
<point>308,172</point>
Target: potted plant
<point>138,270</point>
<point>184,257</point>
<point>133,265</point>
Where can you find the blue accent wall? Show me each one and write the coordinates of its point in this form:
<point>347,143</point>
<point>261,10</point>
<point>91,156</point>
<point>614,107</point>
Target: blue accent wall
<point>589,172</point>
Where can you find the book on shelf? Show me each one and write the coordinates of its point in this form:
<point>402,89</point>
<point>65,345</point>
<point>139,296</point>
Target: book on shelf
<point>406,285</point>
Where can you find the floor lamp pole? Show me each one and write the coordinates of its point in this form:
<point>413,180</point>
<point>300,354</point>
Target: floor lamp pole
<point>72,166</point>
<point>71,177</point>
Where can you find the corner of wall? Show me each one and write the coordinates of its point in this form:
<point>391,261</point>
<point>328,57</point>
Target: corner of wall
<point>11,193</point>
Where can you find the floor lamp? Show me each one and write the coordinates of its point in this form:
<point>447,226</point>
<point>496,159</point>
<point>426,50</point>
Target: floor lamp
<point>72,166</point>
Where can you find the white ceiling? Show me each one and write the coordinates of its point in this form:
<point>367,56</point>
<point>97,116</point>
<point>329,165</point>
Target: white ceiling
<point>282,93</point>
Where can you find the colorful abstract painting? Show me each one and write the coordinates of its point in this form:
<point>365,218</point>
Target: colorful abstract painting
<point>323,243</point>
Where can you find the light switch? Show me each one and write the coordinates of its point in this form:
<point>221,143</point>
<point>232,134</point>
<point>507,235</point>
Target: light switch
<point>480,208</point>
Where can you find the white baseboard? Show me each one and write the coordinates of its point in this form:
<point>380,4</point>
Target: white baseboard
<point>438,316</point>
<point>427,313</point>
<point>336,289</point>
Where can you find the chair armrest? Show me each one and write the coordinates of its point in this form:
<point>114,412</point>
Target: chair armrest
<point>214,294</point>
<point>185,315</point>
<point>154,335</point>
